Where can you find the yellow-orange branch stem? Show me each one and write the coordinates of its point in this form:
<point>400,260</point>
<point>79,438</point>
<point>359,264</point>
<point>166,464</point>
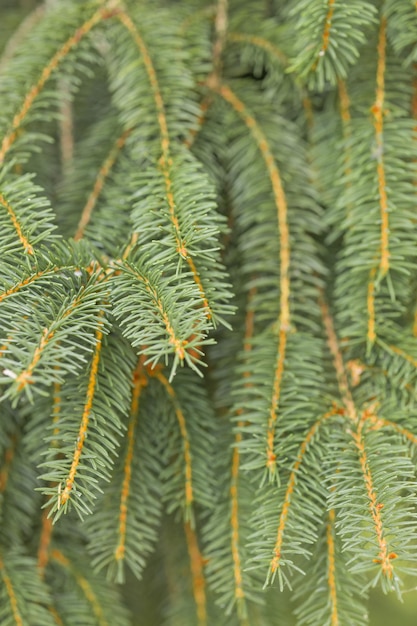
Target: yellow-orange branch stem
<point>16,225</point>
<point>275,562</point>
<point>84,585</point>
<point>284,251</point>
<point>327,28</point>
<point>28,281</point>
<point>331,568</point>
<point>189,497</point>
<point>165,161</point>
<point>100,15</point>
<point>384,556</point>
<point>25,377</point>
<point>139,381</point>
<point>8,458</point>
<point>82,433</point>
<point>378,114</point>
<point>341,375</point>
<point>197,574</point>
<point>45,540</point>
<point>234,516</point>
<point>99,183</point>
<point>11,594</point>
<point>380,422</point>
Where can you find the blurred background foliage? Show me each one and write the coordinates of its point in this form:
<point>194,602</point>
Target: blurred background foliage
<point>144,600</point>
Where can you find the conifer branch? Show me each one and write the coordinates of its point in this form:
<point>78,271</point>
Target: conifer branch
<point>25,377</point>
<point>326,33</point>
<point>103,173</point>
<point>342,379</point>
<point>84,585</point>
<point>278,547</point>
<point>103,13</point>
<point>370,305</point>
<point>139,381</point>
<point>82,433</point>
<point>259,42</point>
<point>346,122</point>
<point>378,113</point>
<point>12,45</point>
<point>165,161</point>
<point>27,247</point>
<point>8,458</point>
<point>380,422</point>
<point>57,619</point>
<point>197,574</point>
<point>331,567</point>
<point>284,251</point>
<point>45,540</point>
<point>384,557</point>
<point>188,473</point>
<point>17,616</point>
<point>234,484</point>
<point>50,271</point>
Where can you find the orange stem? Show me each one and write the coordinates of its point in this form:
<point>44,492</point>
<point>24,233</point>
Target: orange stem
<point>33,93</point>
<point>82,433</point>
<point>331,568</point>
<point>103,173</point>
<point>13,217</point>
<point>378,114</point>
<point>11,594</point>
<point>284,251</point>
<point>384,556</point>
<point>165,162</point>
<point>275,562</point>
<point>189,497</point>
<point>83,583</point>
<point>197,573</point>
<point>339,366</point>
<point>139,381</point>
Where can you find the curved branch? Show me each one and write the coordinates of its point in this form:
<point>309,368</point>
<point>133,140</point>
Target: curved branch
<point>103,173</point>
<point>197,573</point>
<point>275,562</point>
<point>384,555</point>
<point>84,585</point>
<point>331,568</point>
<point>139,381</point>
<point>189,495</point>
<point>165,161</point>
<point>16,225</point>
<point>12,595</point>
<point>284,252</point>
<point>102,14</point>
<point>82,433</point>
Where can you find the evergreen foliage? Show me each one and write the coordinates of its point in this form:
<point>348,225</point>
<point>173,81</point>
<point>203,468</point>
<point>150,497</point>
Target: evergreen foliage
<point>208,350</point>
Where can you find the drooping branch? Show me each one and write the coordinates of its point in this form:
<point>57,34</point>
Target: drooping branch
<point>82,433</point>
<point>103,13</point>
<point>102,175</point>
<point>27,247</point>
<point>342,379</point>
<point>165,161</point>
<point>331,568</point>
<point>189,495</point>
<point>384,556</point>
<point>275,562</point>
<point>284,252</point>
<point>84,585</point>
<point>197,574</point>
<point>139,381</point>
<point>17,616</point>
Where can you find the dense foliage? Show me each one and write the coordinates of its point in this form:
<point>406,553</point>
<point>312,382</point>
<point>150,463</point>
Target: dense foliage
<point>208,315</point>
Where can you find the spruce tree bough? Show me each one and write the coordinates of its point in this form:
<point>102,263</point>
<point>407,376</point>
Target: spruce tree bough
<point>208,350</point>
